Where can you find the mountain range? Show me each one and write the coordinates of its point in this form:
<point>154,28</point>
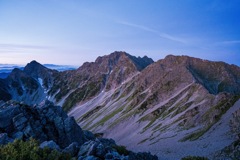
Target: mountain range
<point>6,69</point>
<point>175,107</point>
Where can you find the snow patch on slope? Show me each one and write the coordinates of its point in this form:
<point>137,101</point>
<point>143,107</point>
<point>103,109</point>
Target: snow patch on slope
<point>40,80</point>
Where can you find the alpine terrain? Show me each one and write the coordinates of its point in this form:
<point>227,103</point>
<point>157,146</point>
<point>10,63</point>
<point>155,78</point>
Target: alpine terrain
<point>176,107</point>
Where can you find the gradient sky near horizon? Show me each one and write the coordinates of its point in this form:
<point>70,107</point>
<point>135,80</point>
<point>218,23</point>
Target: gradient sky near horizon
<point>74,31</point>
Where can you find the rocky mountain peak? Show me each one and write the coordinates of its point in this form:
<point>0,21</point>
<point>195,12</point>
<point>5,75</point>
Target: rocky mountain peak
<point>120,56</point>
<point>121,66</point>
<point>107,72</point>
<point>118,63</point>
<point>34,64</point>
<point>35,69</point>
<point>40,73</point>
<point>141,62</point>
<point>172,60</point>
<point>113,56</point>
<point>216,77</point>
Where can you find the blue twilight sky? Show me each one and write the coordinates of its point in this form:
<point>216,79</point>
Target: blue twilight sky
<point>74,31</point>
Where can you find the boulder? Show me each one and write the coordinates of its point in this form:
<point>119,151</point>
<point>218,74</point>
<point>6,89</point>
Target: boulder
<point>59,125</point>
<point>88,148</point>
<point>19,121</point>
<point>6,116</point>
<point>113,155</point>
<point>50,114</point>
<point>59,111</point>
<point>50,144</point>
<point>28,131</point>
<point>108,156</point>
<point>72,149</point>
<point>18,135</point>
<point>50,110</point>
<point>73,131</point>
<point>89,135</point>
<point>100,151</point>
<point>4,139</point>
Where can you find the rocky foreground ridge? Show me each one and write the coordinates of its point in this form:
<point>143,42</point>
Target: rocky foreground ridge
<point>51,126</point>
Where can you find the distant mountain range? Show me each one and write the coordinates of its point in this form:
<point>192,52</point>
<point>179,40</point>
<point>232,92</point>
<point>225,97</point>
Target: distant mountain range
<point>60,67</point>
<point>6,69</point>
<point>175,107</point>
